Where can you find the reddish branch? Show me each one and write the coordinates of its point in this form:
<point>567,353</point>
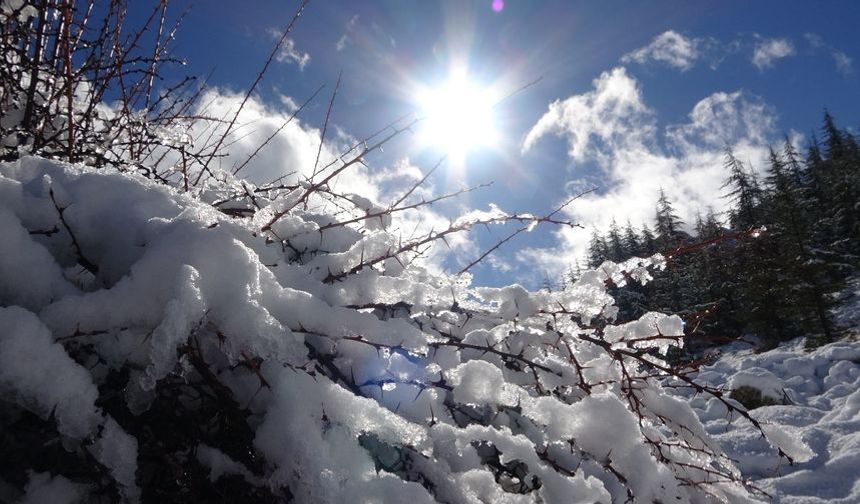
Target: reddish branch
<point>752,232</point>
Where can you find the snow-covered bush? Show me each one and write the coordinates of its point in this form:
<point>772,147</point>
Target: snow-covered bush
<point>146,337</point>
<point>182,334</point>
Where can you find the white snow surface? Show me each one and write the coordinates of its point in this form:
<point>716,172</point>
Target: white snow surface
<point>817,422</point>
<point>425,372</point>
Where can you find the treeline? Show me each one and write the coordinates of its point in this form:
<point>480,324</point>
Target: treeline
<point>771,265</point>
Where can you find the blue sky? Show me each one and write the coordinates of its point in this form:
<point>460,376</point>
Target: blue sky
<point>633,96</point>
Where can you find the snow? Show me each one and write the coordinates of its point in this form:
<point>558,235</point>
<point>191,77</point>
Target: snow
<point>818,427</point>
<point>479,382</point>
<point>382,382</point>
<point>760,379</point>
<point>847,314</point>
<point>24,10</point>
<point>641,333</point>
<point>43,488</point>
<point>36,373</point>
<point>31,277</point>
<point>220,464</point>
<point>117,451</point>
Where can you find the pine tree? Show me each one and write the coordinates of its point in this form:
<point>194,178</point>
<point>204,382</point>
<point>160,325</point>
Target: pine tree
<point>843,177</point>
<point>668,224</point>
<point>799,269</point>
<point>718,283</point>
<point>700,224</point>
<point>711,227</point>
<point>673,290</point>
<point>778,284</point>
<point>743,191</point>
<point>757,296</point>
<point>632,247</point>
<point>597,250</point>
<point>615,244</point>
<point>648,241</point>
<point>574,271</point>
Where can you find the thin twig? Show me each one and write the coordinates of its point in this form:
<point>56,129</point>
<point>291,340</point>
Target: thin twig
<point>325,124</point>
<point>275,133</point>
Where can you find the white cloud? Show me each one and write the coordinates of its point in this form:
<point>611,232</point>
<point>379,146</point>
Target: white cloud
<point>814,40</point>
<point>372,39</point>
<point>721,119</point>
<point>685,160</point>
<point>346,38</point>
<point>288,102</point>
<point>341,42</point>
<point>843,63</point>
<point>770,50</point>
<point>612,114</point>
<point>292,150</point>
<point>669,47</point>
<point>288,52</point>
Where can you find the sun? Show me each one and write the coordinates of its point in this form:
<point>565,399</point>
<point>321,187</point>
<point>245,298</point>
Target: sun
<point>458,116</point>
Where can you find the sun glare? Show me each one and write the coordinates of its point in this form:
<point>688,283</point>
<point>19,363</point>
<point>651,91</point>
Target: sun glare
<point>458,116</point>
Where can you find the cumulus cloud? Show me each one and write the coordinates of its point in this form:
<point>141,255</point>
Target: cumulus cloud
<point>292,150</point>
<point>639,158</point>
<point>721,119</point>
<point>669,47</point>
<point>769,50</point>
<point>614,113</point>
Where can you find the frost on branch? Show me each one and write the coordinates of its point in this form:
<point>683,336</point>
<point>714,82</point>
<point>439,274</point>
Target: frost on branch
<point>316,359</point>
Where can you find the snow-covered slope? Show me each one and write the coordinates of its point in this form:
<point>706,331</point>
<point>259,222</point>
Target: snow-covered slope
<point>818,411</point>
